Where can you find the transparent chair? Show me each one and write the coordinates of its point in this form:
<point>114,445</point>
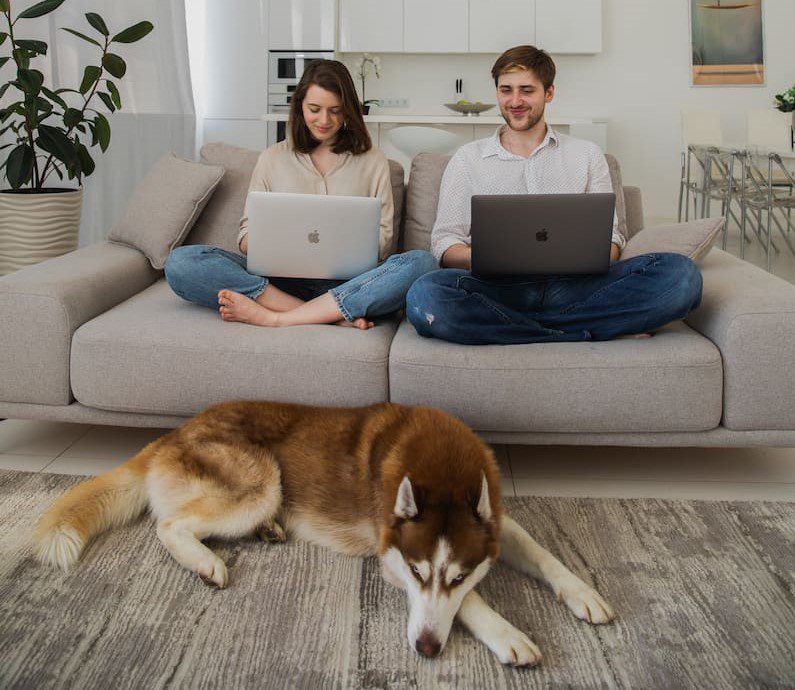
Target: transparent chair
<point>700,130</point>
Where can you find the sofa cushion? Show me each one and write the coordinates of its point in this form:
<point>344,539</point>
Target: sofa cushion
<point>422,198</point>
<point>694,239</point>
<point>220,222</point>
<point>669,382</point>
<point>164,206</point>
<point>158,354</point>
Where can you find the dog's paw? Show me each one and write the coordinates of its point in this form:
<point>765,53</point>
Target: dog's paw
<point>586,603</point>
<point>273,533</point>
<point>214,573</point>
<point>513,647</point>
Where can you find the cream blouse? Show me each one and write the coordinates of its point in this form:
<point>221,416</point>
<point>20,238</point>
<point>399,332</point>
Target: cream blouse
<point>282,169</point>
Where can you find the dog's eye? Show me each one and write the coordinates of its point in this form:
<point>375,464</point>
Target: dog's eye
<point>457,580</point>
<point>415,571</point>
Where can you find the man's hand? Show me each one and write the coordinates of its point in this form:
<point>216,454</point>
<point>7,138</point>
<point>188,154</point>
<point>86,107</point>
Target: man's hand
<point>615,253</point>
<point>244,244</point>
<point>457,256</point>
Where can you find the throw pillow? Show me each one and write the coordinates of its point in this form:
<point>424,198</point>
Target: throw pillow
<point>164,206</point>
<point>693,239</point>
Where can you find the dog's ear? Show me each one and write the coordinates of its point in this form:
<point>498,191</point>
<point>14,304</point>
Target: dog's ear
<point>405,506</point>
<point>484,504</point>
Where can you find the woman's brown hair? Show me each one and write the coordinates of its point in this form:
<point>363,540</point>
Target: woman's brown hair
<point>332,76</point>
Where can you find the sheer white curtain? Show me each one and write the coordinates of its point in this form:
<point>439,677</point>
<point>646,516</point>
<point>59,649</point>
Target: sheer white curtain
<point>157,112</point>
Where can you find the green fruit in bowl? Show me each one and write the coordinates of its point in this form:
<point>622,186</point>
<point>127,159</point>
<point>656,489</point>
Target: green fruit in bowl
<point>463,103</point>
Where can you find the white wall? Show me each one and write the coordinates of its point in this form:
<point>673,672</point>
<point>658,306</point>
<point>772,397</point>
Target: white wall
<point>640,82</point>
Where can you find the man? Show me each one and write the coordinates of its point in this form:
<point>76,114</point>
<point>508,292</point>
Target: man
<point>526,157</point>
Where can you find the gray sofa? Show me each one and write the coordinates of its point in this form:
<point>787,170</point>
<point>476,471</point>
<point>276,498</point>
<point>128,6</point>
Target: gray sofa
<point>96,336</point>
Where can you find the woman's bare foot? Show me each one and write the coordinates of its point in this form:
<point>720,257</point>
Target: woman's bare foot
<point>361,323</point>
<point>236,307</point>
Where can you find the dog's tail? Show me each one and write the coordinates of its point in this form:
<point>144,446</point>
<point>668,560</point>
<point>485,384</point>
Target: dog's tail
<point>109,500</point>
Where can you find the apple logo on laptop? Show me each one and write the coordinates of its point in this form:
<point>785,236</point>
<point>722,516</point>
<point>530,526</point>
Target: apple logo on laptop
<point>542,236</point>
<point>314,237</point>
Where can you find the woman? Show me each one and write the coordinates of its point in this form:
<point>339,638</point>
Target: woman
<point>328,151</point>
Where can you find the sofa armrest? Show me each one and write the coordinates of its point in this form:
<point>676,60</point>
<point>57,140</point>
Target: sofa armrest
<point>41,306</point>
<point>633,204</point>
<point>750,315</point>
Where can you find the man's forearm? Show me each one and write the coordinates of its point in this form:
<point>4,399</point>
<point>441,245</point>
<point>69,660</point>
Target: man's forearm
<point>615,253</point>
<point>244,244</point>
<point>457,256</point>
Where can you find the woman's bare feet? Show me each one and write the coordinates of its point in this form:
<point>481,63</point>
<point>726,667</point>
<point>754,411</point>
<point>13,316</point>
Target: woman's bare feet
<point>361,323</point>
<point>236,307</point>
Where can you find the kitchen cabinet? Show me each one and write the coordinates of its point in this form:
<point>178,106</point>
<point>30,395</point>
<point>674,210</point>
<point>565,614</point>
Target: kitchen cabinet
<point>301,24</point>
<point>569,26</point>
<point>441,26</point>
<point>495,25</point>
<point>371,26</point>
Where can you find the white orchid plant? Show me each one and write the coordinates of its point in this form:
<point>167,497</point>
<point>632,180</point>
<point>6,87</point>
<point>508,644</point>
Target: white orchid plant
<point>785,102</point>
<point>362,68</point>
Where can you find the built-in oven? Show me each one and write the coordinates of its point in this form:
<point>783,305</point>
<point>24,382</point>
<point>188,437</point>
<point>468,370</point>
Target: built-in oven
<point>285,68</point>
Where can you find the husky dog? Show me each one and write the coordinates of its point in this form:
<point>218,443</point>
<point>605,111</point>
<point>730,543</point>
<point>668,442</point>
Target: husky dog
<point>411,484</point>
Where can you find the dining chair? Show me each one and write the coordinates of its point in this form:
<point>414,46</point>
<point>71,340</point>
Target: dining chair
<point>700,129</point>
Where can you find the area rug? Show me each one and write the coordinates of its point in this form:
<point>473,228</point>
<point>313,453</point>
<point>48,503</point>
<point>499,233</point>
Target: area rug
<point>704,594</point>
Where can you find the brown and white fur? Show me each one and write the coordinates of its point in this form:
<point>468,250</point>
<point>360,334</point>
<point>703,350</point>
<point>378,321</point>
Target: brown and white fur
<point>413,485</point>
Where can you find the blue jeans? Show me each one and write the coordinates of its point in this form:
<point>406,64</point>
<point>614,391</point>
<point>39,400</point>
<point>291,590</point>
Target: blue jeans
<point>634,296</point>
<point>197,272</point>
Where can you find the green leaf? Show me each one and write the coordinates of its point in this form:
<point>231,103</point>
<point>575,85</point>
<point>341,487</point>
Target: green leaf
<point>83,36</point>
<point>90,77</point>
<point>54,97</point>
<point>102,132</point>
<point>40,9</point>
<point>4,7</point>
<point>3,89</point>
<point>3,37</point>
<point>98,23</point>
<point>43,105</point>
<point>39,47</point>
<point>31,81</point>
<point>87,165</point>
<point>107,101</point>
<point>3,60</point>
<point>133,33</point>
<point>114,64</point>
<point>21,57</point>
<point>72,117</point>
<point>19,168</point>
<point>114,93</point>
<point>54,141</point>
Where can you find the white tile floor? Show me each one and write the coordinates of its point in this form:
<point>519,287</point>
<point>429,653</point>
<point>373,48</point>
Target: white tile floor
<point>697,473</point>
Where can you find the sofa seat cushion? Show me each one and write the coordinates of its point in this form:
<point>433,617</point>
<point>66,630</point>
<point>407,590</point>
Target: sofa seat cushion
<point>669,382</point>
<point>157,354</point>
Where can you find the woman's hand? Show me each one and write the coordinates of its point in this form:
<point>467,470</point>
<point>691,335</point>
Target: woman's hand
<point>244,244</point>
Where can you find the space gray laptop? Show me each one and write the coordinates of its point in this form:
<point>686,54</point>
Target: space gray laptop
<point>312,235</point>
<point>518,235</point>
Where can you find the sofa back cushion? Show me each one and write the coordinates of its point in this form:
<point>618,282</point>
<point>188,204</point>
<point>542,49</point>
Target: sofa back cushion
<point>422,198</point>
<point>220,222</point>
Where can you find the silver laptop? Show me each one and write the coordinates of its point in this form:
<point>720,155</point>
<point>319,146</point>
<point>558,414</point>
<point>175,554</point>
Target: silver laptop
<point>518,235</point>
<point>312,235</point>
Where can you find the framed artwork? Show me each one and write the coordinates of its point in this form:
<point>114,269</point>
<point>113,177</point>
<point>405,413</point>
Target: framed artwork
<point>726,40</point>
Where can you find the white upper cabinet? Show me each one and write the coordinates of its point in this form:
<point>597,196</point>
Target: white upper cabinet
<point>371,26</point>
<point>569,26</point>
<point>301,25</point>
<point>496,25</point>
<point>436,26</point>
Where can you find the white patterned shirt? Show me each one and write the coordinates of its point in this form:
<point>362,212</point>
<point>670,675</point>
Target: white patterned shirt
<point>560,165</point>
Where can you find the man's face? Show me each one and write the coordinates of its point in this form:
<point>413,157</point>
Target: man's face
<point>522,98</point>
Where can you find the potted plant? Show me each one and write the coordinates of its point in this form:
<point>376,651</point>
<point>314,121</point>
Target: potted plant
<point>785,102</point>
<point>362,70</point>
<point>52,131</point>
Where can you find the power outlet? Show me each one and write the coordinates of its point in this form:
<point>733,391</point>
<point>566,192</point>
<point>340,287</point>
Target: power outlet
<point>394,102</point>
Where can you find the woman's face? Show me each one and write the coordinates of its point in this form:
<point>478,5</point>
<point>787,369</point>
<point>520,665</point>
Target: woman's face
<point>322,113</point>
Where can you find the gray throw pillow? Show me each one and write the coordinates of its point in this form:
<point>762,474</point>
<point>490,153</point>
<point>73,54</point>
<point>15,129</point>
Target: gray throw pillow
<point>164,206</point>
<point>693,239</point>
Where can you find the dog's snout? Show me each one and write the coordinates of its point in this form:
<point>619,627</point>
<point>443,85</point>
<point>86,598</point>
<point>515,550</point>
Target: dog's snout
<point>428,645</point>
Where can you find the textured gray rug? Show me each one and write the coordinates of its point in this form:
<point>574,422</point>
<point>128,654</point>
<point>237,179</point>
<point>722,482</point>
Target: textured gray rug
<point>703,591</point>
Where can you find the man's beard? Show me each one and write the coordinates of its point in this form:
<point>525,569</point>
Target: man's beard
<point>532,121</point>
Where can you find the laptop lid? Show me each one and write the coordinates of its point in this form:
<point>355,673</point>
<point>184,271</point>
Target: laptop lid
<point>541,234</point>
<point>312,235</point>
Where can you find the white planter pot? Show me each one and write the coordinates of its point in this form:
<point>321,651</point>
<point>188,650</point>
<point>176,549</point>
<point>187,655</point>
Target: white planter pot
<point>35,227</point>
